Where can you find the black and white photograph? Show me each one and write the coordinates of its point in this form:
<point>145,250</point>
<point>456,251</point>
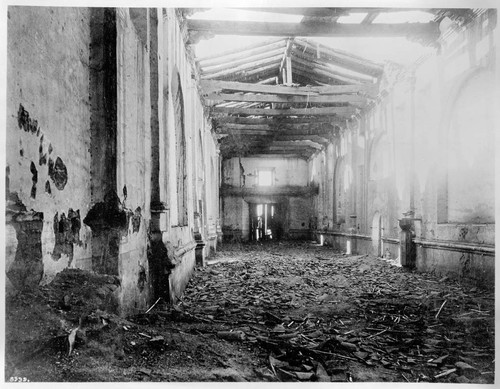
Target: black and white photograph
<point>255,192</point>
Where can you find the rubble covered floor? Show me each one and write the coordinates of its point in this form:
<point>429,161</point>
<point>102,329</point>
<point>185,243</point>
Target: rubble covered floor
<point>263,312</point>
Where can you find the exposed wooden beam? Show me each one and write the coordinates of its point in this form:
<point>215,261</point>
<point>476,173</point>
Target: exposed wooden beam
<point>288,48</point>
<point>340,69</point>
<point>280,156</point>
<point>271,80</point>
<point>430,29</point>
<point>370,17</point>
<point>215,98</point>
<point>263,46</point>
<point>298,121</point>
<point>339,111</point>
<point>314,138</point>
<point>234,63</point>
<point>331,11</point>
<point>307,74</point>
<point>255,78</point>
<point>248,66</point>
<point>324,71</point>
<point>212,86</point>
<point>243,55</point>
<point>282,132</point>
<point>303,153</point>
<point>296,143</point>
<point>312,11</point>
<point>237,126</point>
<point>338,57</point>
<point>250,72</point>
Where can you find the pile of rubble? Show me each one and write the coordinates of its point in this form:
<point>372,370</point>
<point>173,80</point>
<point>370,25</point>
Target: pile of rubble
<point>323,315</point>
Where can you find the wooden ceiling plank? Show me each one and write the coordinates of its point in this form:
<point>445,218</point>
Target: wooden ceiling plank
<point>234,63</point>
<point>298,121</point>
<point>316,77</point>
<point>312,137</point>
<point>258,47</point>
<point>341,59</point>
<point>370,17</point>
<point>254,78</point>
<point>365,75</point>
<point>330,11</point>
<point>340,111</point>
<point>310,11</point>
<point>297,143</point>
<point>244,67</point>
<point>215,98</point>
<point>217,27</point>
<point>326,72</point>
<point>212,85</point>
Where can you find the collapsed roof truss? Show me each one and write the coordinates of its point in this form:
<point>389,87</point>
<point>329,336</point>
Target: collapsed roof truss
<point>288,95</point>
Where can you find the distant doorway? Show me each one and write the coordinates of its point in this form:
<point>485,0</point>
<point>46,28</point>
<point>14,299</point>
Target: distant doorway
<point>265,221</point>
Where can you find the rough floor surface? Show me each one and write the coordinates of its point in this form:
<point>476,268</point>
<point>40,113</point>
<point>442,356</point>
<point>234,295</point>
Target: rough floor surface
<point>271,312</point>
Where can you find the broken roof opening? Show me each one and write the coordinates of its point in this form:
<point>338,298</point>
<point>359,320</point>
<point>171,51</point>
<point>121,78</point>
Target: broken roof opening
<point>279,80</point>
<point>375,48</point>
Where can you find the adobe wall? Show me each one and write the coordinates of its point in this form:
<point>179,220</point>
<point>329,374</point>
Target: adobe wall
<point>90,149</point>
<point>426,146</point>
<point>48,140</point>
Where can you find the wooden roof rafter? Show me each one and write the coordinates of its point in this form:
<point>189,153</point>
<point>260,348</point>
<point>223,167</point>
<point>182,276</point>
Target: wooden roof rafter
<point>339,57</point>
<point>338,111</point>
<point>214,98</point>
<point>240,61</point>
<point>256,48</point>
<point>321,70</point>
<point>341,69</point>
<point>209,86</point>
<point>430,30</point>
<point>245,67</point>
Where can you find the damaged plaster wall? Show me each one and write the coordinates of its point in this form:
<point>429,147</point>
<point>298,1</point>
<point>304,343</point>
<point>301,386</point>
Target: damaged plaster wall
<point>426,147</point>
<point>48,134</point>
<point>133,151</point>
<point>178,232</point>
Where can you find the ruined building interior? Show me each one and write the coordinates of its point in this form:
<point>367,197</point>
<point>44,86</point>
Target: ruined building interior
<point>287,207</point>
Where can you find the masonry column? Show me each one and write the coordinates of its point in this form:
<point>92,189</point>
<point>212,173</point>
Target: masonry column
<point>106,218</point>
<point>159,264</point>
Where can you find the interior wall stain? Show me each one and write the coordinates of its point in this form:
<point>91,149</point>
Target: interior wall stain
<point>67,234</point>
<point>34,179</point>
<point>26,271</point>
<point>25,122</point>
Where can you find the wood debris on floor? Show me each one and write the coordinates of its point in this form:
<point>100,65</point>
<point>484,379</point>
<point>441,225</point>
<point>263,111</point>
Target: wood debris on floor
<point>321,314</point>
<point>272,312</point>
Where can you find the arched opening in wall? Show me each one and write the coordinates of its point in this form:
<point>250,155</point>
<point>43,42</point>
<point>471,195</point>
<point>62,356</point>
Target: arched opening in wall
<point>343,179</point>
<point>180,149</point>
<point>377,234</point>
<point>468,190</point>
<point>379,161</point>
